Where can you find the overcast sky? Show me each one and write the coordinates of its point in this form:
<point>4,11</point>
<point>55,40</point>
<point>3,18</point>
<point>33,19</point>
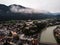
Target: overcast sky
<point>48,5</point>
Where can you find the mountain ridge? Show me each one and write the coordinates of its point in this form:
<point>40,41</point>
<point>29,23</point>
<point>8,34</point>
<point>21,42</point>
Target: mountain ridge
<point>18,12</point>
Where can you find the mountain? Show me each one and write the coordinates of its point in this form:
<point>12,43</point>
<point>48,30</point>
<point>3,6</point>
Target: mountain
<point>18,12</point>
<point>3,7</point>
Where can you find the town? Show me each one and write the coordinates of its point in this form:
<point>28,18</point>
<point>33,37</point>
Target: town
<point>23,32</point>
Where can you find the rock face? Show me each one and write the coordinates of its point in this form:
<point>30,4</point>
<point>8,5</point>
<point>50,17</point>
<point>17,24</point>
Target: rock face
<point>57,34</point>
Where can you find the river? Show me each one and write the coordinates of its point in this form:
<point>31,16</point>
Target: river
<point>47,35</point>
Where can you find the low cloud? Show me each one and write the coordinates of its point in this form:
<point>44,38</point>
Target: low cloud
<point>18,9</point>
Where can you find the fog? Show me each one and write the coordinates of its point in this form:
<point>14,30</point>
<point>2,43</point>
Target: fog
<point>48,5</point>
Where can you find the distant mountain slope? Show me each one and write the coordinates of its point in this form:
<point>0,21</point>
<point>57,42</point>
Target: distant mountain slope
<point>18,12</point>
<point>3,7</point>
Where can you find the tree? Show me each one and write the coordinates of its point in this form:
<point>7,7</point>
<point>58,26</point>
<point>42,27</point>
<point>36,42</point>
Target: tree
<point>34,29</point>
